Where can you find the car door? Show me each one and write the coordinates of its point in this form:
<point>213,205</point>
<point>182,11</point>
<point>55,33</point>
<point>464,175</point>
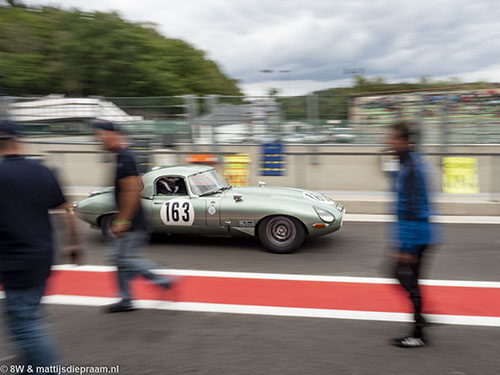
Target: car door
<point>213,214</point>
<point>179,213</point>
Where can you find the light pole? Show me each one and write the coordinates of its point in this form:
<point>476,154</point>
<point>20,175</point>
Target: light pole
<point>353,72</point>
<point>271,93</point>
<point>272,71</point>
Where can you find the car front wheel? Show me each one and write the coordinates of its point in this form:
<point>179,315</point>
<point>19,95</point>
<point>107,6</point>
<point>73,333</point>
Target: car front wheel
<point>106,226</point>
<point>281,234</point>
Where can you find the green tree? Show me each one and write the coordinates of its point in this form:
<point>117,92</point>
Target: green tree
<point>82,54</point>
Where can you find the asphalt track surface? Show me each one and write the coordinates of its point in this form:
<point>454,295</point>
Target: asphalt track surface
<point>177,342</point>
<point>468,252</point>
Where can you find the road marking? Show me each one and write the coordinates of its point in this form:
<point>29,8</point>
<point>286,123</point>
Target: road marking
<point>340,297</point>
<point>90,268</point>
<point>274,311</point>
<point>437,219</point>
<point>278,276</point>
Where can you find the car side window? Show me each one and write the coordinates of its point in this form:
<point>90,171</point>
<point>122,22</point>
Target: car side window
<point>170,186</point>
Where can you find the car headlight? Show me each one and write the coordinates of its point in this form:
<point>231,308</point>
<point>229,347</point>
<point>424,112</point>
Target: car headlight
<point>324,215</point>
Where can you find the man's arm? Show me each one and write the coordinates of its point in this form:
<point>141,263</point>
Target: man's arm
<point>129,201</point>
<point>74,250</point>
<point>56,200</point>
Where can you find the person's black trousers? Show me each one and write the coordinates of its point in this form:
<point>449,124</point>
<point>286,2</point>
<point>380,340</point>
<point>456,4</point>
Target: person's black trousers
<point>408,275</point>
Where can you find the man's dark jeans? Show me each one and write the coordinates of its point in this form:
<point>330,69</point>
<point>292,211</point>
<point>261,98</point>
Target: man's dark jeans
<point>26,327</point>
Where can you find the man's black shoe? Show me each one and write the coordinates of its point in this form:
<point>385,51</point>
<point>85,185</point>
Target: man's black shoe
<point>409,342</point>
<point>119,307</point>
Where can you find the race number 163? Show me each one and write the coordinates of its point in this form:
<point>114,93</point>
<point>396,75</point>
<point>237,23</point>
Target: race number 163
<point>177,212</point>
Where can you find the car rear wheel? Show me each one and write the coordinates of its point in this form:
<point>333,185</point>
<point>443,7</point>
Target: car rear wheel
<point>281,234</point>
<point>106,226</point>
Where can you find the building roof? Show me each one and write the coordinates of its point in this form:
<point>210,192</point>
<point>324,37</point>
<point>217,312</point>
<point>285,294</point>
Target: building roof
<point>54,107</point>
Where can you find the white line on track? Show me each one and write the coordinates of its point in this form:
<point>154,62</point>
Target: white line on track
<point>274,311</point>
<point>277,276</point>
<point>449,219</point>
<point>271,310</point>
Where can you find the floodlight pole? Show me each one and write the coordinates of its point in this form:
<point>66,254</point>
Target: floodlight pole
<point>352,72</point>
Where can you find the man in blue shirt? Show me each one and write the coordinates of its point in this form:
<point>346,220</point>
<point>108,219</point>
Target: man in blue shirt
<point>27,191</point>
<point>414,229</point>
<point>129,226</point>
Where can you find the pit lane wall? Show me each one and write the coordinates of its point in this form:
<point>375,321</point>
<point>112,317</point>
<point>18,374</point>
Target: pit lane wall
<point>351,174</point>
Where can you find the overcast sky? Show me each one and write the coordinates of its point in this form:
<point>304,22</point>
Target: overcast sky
<point>318,39</point>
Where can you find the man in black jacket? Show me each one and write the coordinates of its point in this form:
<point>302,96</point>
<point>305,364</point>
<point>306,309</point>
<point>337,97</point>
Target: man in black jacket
<point>28,191</point>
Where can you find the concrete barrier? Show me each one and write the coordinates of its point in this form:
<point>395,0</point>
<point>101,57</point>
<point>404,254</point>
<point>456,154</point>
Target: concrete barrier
<point>337,173</point>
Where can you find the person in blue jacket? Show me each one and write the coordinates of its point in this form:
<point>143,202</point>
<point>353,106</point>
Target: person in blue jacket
<point>414,231</point>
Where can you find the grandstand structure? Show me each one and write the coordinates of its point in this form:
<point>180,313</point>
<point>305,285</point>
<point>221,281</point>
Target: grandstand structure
<point>462,116</point>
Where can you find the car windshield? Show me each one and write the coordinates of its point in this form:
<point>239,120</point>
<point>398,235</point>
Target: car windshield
<point>207,182</point>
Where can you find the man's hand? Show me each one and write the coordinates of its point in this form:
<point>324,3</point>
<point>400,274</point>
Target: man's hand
<point>75,254</point>
<point>120,227</point>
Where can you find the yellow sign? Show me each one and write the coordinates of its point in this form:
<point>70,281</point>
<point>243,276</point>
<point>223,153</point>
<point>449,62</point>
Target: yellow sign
<point>460,176</point>
<point>237,169</point>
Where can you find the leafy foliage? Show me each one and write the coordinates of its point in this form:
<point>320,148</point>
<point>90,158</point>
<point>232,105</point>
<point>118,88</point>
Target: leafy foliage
<point>49,50</point>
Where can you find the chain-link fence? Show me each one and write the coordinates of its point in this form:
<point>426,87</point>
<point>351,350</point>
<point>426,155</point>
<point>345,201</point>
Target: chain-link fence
<point>443,118</point>
<point>4,107</point>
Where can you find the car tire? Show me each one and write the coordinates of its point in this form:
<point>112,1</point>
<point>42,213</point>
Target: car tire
<point>281,234</point>
<point>106,227</point>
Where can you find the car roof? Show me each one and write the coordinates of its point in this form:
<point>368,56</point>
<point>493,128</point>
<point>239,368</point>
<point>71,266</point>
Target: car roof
<point>183,170</point>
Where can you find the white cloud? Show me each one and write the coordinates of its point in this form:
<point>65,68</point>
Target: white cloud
<point>316,40</point>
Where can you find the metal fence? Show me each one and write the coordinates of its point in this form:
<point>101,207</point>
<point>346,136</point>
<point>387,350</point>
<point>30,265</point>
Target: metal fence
<point>443,118</point>
<point>4,107</point>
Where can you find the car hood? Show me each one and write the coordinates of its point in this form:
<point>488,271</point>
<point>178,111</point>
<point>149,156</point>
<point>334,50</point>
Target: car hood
<point>282,193</point>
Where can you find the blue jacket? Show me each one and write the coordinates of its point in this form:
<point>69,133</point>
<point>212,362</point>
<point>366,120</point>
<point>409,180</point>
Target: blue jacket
<point>413,206</point>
